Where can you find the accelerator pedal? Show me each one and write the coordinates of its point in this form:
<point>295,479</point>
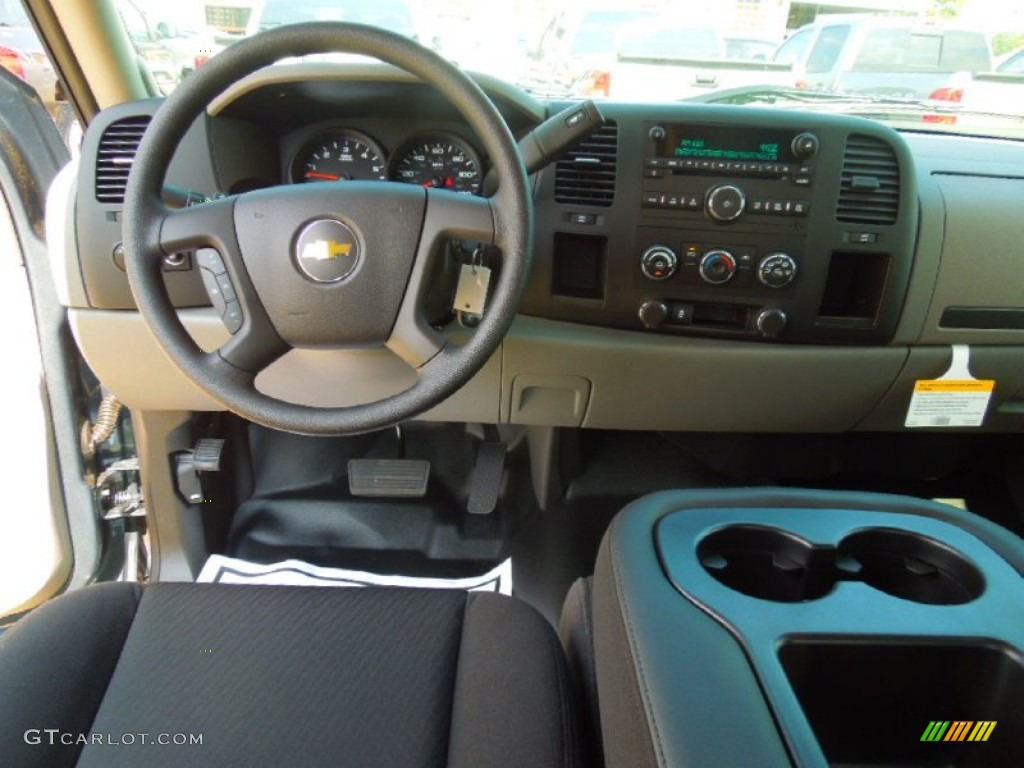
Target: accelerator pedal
<point>406,478</point>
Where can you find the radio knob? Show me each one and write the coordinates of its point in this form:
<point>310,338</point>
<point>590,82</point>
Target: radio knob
<point>717,267</point>
<point>777,270</point>
<point>805,145</point>
<point>770,322</point>
<point>725,203</point>
<point>653,313</point>
<point>659,262</point>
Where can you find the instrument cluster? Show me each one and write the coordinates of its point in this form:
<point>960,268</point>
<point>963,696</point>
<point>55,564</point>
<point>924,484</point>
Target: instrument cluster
<point>435,159</point>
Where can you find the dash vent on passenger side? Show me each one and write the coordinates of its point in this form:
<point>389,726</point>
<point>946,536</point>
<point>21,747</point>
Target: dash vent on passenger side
<point>870,188</point>
<point>118,145</point>
<point>586,173</point>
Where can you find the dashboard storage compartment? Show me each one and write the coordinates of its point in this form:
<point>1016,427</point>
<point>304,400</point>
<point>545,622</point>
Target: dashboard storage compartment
<point>897,703</point>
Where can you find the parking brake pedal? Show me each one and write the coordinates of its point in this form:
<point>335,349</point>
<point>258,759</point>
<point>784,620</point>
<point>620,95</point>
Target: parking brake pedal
<point>388,477</point>
<point>204,457</point>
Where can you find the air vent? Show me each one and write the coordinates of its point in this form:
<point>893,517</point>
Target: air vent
<point>870,190</point>
<point>586,173</point>
<point>114,159</point>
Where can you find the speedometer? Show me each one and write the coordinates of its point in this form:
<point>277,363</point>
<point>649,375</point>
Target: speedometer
<point>340,156</point>
<point>439,160</point>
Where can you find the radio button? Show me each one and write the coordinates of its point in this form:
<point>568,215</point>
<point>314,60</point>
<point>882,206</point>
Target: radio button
<point>802,181</point>
<point>725,203</point>
<point>801,207</point>
<point>805,145</point>
<point>758,206</point>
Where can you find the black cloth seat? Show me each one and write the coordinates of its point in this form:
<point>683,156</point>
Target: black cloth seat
<point>284,676</point>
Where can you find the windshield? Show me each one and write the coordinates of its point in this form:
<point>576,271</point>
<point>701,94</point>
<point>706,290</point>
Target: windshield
<point>960,60</point>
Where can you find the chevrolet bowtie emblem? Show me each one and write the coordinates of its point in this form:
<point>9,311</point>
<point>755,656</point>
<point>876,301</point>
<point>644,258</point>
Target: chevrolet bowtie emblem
<point>325,250</point>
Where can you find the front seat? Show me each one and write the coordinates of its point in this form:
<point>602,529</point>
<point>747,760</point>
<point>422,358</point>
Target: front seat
<point>284,676</point>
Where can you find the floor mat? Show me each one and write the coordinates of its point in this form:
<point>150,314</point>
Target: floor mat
<point>229,570</point>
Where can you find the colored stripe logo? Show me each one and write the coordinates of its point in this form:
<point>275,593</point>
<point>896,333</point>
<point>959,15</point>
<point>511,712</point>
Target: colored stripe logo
<point>959,730</point>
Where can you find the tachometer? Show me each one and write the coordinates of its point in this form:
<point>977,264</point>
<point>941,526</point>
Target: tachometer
<point>438,160</point>
<point>340,156</point>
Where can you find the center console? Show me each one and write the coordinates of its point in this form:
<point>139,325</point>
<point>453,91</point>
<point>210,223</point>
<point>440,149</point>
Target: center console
<point>785,628</point>
<point>745,223</point>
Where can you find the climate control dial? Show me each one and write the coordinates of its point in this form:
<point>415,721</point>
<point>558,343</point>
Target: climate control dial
<point>777,270</point>
<point>717,267</point>
<point>659,262</point>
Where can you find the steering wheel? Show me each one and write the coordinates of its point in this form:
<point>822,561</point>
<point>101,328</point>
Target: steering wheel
<point>325,265</point>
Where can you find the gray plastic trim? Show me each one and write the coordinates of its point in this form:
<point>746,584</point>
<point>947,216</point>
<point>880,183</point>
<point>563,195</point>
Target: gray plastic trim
<point>127,359</point>
<point>981,259</point>
<point>646,381</point>
<point>62,239</point>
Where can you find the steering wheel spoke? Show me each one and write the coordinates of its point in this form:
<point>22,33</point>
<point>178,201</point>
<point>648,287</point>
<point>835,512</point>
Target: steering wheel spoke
<point>208,229</point>
<point>210,224</point>
<point>447,216</point>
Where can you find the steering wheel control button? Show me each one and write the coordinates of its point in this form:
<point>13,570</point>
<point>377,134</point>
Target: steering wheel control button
<point>208,258</point>
<point>717,267</point>
<point>226,288</point>
<point>232,317</point>
<point>725,203</point>
<point>213,290</point>
<point>777,270</point>
<point>659,262</point>
<point>327,251</point>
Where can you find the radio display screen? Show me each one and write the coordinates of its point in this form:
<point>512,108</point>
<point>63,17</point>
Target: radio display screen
<point>713,142</point>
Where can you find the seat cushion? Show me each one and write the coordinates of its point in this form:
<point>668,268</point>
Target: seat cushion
<point>284,676</point>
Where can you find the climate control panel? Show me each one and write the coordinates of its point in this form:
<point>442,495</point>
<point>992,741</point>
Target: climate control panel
<point>719,266</point>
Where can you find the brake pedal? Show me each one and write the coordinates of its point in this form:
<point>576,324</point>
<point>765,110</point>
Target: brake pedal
<point>388,477</point>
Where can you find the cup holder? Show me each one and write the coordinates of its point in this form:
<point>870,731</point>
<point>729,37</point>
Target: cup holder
<point>773,564</point>
<point>911,566</point>
<point>768,563</point>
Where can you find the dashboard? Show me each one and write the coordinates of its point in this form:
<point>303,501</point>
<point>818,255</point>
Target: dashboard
<point>695,267</point>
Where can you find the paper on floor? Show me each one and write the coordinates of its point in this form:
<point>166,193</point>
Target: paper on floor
<point>228,570</point>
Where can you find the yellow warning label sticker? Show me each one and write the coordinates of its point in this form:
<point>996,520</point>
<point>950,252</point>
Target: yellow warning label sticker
<point>949,403</point>
<point>954,385</point>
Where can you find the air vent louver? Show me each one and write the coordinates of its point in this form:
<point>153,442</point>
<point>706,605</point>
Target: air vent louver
<point>118,145</point>
<point>870,190</point>
<point>586,173</point>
